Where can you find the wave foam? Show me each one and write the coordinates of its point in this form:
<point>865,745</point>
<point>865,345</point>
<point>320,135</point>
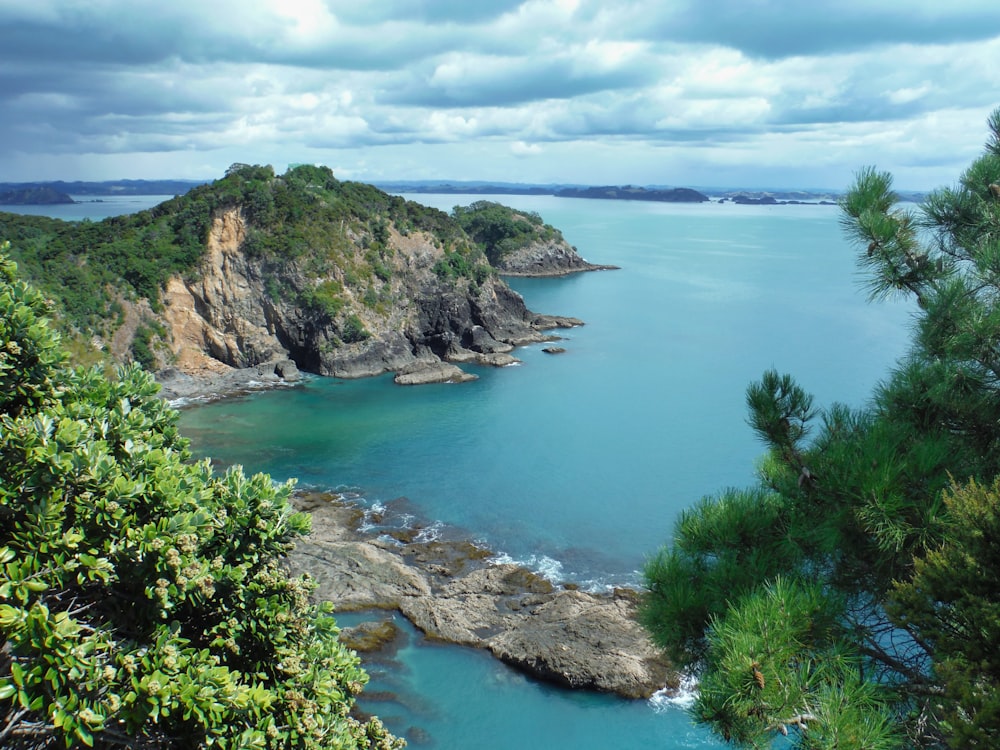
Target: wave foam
<point>430,533</point>
<point>545,566</point>
<point>669,698</point>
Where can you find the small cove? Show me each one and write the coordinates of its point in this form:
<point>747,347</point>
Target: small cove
<point>577,464</point>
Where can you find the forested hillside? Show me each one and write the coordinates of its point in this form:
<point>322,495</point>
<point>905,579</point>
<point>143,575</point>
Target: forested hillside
<point>338,276</point>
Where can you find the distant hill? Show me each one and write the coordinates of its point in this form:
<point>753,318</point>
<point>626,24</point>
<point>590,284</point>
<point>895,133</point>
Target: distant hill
<point>627,192</point>
<point>632,193</point>
<point>110,187</point>
<point>663,193</point>
<point>33,196</point>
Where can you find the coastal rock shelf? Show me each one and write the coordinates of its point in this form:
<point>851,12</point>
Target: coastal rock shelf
<point>453,593</point>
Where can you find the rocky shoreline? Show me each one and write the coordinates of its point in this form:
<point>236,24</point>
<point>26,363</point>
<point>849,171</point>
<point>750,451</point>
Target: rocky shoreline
<point>456,592</point>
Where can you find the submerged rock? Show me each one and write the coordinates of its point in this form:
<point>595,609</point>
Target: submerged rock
<point>370,636</point>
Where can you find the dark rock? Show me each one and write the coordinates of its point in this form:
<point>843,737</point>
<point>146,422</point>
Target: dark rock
<point>287,370</point>
<point>437,372</point>
<point>553,350</point>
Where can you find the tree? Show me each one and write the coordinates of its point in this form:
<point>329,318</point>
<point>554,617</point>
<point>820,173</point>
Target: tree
<point>848,600</point>
<point>142,599</point>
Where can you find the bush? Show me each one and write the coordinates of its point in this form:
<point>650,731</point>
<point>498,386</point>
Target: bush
<point>142,599</point>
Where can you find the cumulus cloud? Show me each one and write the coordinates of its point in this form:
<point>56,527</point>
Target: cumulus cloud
<point>638,88</point>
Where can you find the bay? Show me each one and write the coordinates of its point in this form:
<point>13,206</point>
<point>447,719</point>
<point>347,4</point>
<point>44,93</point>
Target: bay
<point>577,464</point>
<point>92,208</point>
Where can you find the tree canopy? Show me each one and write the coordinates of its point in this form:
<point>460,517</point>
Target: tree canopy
<point>500,230</point>
<point>848,600</point>
<point>142,598</point>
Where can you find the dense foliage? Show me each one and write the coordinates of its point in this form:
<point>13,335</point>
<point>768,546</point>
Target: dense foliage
<point>142,600</point>
<point>306,215</point>
<point>500,230</point>
<point>849,600</point>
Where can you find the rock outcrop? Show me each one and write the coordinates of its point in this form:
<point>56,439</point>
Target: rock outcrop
<point>451,592</point>
<point>229,315</point>
<point>554,257</point>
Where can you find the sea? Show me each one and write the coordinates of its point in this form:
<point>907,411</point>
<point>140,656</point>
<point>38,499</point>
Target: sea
<point>576,464</point>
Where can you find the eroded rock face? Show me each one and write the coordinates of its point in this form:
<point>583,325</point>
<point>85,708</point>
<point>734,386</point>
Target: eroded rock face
<point>554,257</point>
<point>451,592</point>
<point>229,314</point>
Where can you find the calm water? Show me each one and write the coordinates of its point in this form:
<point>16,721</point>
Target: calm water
<point>579,463</point>
<point>92,207</point>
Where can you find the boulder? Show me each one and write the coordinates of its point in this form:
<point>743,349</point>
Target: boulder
<point>287,370</point>
<point>433,372</point>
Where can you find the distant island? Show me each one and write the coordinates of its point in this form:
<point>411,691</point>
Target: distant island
<point>632,193</point>
<point>108,187</point>
<point>34,196</point>
<point>607,192</point>
<point>9,191</point>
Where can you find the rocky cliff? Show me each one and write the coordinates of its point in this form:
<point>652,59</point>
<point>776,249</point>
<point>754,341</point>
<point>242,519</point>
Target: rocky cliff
<point>264,274</point>
<point>228,315</point>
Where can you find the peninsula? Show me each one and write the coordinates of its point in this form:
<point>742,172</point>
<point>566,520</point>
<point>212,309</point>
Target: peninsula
<point>33,196</point>
<point>258,276</point>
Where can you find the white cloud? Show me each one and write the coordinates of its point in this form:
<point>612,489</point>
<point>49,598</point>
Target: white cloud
<point>631,91</point>
<point>520,148</point>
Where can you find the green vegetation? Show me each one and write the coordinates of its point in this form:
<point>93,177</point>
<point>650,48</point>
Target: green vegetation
<point>142,599</point>
<point>500,230</point>
<point>849,599</point>
<point>305,216</point>
<point>463,263</point>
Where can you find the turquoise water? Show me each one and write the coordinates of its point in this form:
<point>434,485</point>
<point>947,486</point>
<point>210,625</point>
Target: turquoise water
<point>582,460</point>
<point>578,464</point>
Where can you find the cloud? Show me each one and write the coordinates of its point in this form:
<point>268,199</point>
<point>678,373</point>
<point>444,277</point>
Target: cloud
<point>616,89</point>
<point>520,148</point>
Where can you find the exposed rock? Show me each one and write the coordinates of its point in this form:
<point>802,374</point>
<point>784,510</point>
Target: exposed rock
<point>547,322</point>
<point>450,592</point>
<point>227,316</point>
<point>574,633</point>
<point>553,350</point>
<point>437,372</point>
<point>358,575</point>
<point>554,257</point>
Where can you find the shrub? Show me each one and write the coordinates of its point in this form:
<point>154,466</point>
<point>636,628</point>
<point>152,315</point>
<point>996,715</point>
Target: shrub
<point>142,599</point>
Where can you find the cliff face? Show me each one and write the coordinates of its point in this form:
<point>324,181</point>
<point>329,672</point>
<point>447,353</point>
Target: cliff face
<point>553,257</point>
<point>294,271</point>
<point>241,310</point>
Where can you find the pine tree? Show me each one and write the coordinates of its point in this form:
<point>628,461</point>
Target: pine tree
<point>848,600</point>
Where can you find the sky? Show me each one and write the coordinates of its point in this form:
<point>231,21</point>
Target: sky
<point>741,93</point>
